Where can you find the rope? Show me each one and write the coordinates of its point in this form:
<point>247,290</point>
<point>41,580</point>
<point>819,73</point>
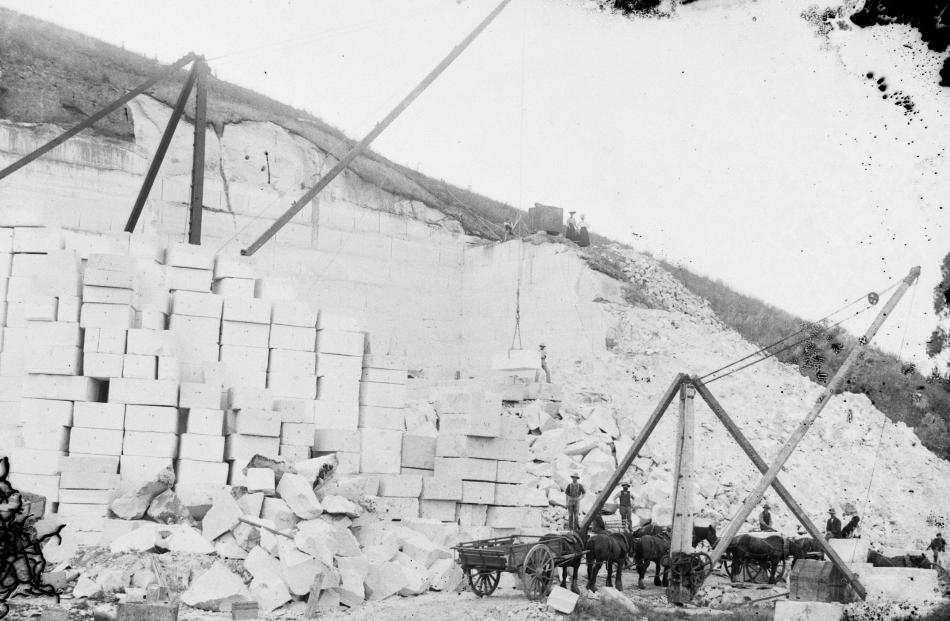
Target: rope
<point>517,332</point>
<point>885,422</point>
<point>804,328</point>
<point>787,347</point>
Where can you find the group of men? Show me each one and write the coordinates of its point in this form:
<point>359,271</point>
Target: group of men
<point>575,491</point>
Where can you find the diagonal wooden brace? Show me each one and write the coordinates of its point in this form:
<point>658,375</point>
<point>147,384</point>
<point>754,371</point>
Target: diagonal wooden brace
<point>786,451</point>
<point>780,489</point>
<point>648,428</point>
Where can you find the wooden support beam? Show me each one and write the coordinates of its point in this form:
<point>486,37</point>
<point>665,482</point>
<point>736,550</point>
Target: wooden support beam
<point>648,428</point>
<point>376,131</point>
<point>198,153</point>
<point>159,156</point>
<point>786,451</point>
<point>96,117</point>
<point>780,489</point>
<point>681,537</point>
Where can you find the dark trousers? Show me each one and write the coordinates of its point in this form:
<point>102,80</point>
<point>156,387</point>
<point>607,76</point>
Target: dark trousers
<point>625,521</point>
<point>572,515</point>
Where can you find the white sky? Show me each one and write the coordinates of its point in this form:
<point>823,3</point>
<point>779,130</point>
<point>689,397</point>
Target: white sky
<point>729,137</point>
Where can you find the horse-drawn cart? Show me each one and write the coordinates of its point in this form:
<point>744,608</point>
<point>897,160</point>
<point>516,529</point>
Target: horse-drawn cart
<point>534,558</point>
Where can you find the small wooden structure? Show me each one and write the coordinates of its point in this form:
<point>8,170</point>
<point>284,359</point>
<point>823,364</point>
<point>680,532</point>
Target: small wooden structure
<point>819,581</point>
<point>546,218</point>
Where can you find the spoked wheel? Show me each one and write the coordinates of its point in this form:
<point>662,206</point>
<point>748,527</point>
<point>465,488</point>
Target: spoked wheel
<point>538,572</point>
<point>780,571</point>
<point>483,581</point>
<point>755,570</point>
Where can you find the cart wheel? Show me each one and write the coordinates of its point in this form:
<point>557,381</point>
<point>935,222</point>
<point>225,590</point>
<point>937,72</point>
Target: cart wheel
<point>754,570</point>
<point>539,572</point>
<point>483,581</point>
<point>780,571</point>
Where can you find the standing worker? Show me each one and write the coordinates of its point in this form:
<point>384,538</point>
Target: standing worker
<point>574,492</point>
<point>571,233</point>
<point>937,545</point>
<point>626,507</point>
<point>583,237</point>
<point>509,229</point>
<point>544,363</point>
<point>765,519</point>
<point>833,526</point>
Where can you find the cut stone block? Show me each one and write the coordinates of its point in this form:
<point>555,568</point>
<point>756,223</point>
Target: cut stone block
<point>197,395</point>
<point>291,362</point>
<point>47,335</point>
<point>339,390</point>
<point>243,447</point>
<point>204,421</point>
<point>298,434</point>
<point>233,287</point>
<point>400,486</point>
<point>70,479</point>
<point>444,488</point>
<point>201,447</point>
<point>442,510</point>
<point>383,395</point>
<point>505,517</point>
<point>294,452</point>
<point>483,424</point>
<point>244,358</point>
<point>103,366</point>
<point>292,386</point>
<point>293,313</point>
<point>150,444</point>
<point>46,485</point>
<point>467,468</point>
<point>193,328</point>
<point>196,304</point>
<point>337,322</point>
<point>98,464</point>
<point>478,492</point>
<point>384,376</point>
<point>292,337</point>
<point>193,473</point>
<point>141,468</point>
<point>253,422</point>
<point>296,411</point>
<point>341,342</point>
<point>247,310</point>
<point>111,316</point>
<point>418,451</point>
<point>42,436</point>
<point>343,368</point>
<point>388,508</point>
<point>244,333</point>
<point>902,583</point>
<point>148,342</point>
<point>155,418</point>
<point>380,462</point>
<point>104,341</point>
<point>792,610</point>
<point>497,448</point>
<point>511,472</point>
<point>336,414</point>
<point>450,445</point>
<point>234,267</point>
<point>86,496</point>
<point>562,600</point>
<point>61,387</point>
<point>139,367</point>
<point>260,480</point>
<point>188,279</point>
<point>382,418</point>
<point>243,397</point>
<point>51,412</point>
<point>345,440</point>
<point>143,392</point>
<point>95,441</point>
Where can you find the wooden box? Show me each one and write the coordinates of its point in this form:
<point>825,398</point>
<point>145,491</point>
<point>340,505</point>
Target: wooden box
<point>546,218</point>
<point>819,581</point>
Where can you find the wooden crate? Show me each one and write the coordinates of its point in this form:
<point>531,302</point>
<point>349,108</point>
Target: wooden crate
<point>819,581</point>
<point>546,218</point>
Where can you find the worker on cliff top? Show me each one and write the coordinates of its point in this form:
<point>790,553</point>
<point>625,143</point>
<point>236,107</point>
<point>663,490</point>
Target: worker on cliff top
<point>833,526</point>
<point>626,507</point>
<point>574,492</point>
<point>765,519</point>
<point>937,545</point>
<point>571,232</point>
<point>544,364</point>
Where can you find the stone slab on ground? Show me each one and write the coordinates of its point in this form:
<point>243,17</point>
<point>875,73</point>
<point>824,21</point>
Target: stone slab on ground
<point>902,583</point>
<point>791,610</point>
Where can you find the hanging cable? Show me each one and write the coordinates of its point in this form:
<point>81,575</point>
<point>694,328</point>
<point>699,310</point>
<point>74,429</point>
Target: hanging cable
<point>804,328</point>
<point>886,421</point>
<point>517,332</point>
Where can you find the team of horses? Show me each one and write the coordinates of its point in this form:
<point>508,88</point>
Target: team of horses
<point>650,544</point>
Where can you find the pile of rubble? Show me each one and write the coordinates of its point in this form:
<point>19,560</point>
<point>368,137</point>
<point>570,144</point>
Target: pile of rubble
<point>306,533</point>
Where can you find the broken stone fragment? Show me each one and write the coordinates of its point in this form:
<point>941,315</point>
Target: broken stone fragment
<point>299,496</point>
<point>318,539</point>
<point>339,505</point>
<point>260,480</point>
<point>223,516</point>
<point>134,504</point>
<point>351,590</point>
<point>184,538</point>
<point>167,508</point>
<point>279,467</point>
<point>417,580</point>
<point>562,600</point>
<point>384,580</point>
<point>316,469</point>
<point>86,587</point>
<point>246,536</point>
<point>269,592</point>
<point>299,570</point>
<point>216,590</point>
<point>138,540</point>
<point>444,575</point>
<point>227,547</point>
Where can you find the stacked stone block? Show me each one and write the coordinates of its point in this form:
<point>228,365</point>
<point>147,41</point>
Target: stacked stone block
<point>252,427</point>
<point>340,346</point>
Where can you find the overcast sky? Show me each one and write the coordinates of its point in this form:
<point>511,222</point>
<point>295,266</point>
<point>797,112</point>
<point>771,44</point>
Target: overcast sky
<point>730,137</point>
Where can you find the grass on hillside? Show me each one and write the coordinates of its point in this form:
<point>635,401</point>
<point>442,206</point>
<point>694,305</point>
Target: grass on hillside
<point>895,388</point>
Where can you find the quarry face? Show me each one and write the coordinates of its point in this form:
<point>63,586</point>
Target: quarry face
<point>312,430</point>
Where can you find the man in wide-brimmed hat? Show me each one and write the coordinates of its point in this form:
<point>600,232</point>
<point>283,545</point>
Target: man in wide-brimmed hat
<point>833,526</point>
<point>574,492</point>
<point>626,507</point>
<point>765,519</point>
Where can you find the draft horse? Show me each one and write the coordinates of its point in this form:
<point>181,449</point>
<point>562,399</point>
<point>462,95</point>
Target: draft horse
<point>611,549</point>
<point>652,549</point>
<point>768,551</point>
<point>572,551</point>
<point>907,560</point>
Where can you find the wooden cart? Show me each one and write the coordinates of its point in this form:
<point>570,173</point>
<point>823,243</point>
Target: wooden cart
<point>535,559</point>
